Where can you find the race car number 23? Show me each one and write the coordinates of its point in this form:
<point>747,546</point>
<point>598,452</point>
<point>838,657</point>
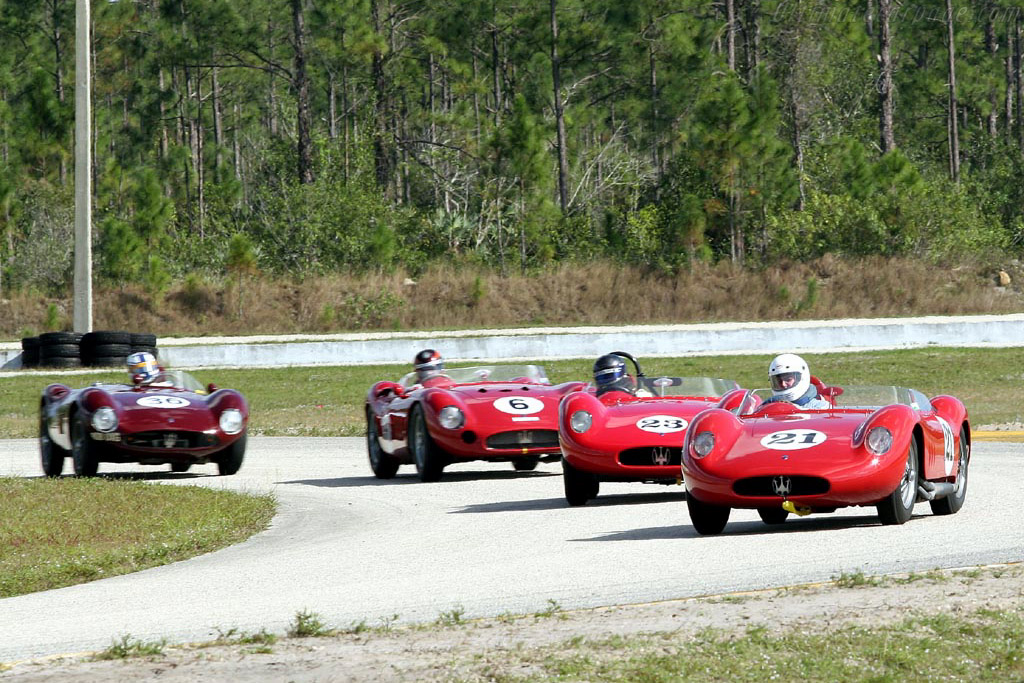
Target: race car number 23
<point>519,405</point>
<point>163,402</point>
<point>661,424</point>
<point>793,439</point>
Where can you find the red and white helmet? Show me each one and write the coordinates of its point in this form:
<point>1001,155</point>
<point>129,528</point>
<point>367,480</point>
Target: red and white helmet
<point>789,376</point>
<point>427,364</point>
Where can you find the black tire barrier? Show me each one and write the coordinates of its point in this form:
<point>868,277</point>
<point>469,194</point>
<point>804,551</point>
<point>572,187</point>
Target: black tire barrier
<point>29,352</point>
<point>92,340</point>
<point>105,361</point>
<point>48,338</point>
<point>146,349</point>
<point>143,339</point>
<point>107,350</point>
<point>60,362</point>
<point>59,350</point>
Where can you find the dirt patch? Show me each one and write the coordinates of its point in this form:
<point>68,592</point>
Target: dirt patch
<point>505,645</point>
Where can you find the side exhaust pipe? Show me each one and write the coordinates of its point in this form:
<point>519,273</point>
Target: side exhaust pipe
<point>930,490</point>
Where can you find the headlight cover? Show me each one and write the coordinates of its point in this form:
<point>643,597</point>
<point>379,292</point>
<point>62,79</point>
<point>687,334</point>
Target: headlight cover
<point>451,417</point>
<point>104,419</point>
<point>879,440</point>
<point>231,421</point>
<point>580,421</point>
<point>703,444</point>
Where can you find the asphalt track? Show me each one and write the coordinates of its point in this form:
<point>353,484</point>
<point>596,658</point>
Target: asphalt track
<point>484,541</point>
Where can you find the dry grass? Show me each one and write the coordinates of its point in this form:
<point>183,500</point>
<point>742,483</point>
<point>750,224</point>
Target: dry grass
<point>447,297</point>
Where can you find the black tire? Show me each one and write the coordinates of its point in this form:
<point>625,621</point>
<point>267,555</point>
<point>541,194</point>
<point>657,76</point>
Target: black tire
<point>951,504</point>
<point>527,464</point>
<point>229,460</point>
<point>773,515</point>
<point>59,351</point>
<point>180,466</point>
<point>84,452</point>
<point>143,339</point>
<point>60,362</point>
<point>146,349</point>
<point>579,486</point>
<point>51,455</point>
<point>898,506</point>
<point>121,350</point>
<point>105,337</point>
<point>707,519</point>
<point>49,338</point>
<point>29,352</point>
<point>105,361</point>
<point>428,457</point>
<point>384,466</point>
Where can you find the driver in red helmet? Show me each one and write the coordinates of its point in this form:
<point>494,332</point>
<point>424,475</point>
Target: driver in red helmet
<point>429,367</point>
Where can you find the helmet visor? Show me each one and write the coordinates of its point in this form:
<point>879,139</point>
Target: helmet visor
<point>609,375</point>
<point>785,380</point>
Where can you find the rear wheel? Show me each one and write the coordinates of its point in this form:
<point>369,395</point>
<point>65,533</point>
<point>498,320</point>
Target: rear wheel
<point>229,460</point>
<point>383,465</point>
<point>180,466</point>
<point>707,519</point>
<point>898,506</point>
<point>953,502</point>
<point>428,457</point>
<point>579,486</point>
<point>773,515</point>
<point>527,464</point>
<point>84,452</point>
<point>51,454</point>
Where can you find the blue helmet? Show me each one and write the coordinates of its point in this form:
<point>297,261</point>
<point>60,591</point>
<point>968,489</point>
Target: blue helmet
<point>610,374</point>
<point>143,368</point>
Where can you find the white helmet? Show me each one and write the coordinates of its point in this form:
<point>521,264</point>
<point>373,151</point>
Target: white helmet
<point>782,373</point>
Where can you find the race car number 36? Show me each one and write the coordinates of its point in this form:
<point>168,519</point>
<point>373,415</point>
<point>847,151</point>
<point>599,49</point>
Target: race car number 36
<point>519,405</point>
<point>162,402</point>
<point>793,439</point>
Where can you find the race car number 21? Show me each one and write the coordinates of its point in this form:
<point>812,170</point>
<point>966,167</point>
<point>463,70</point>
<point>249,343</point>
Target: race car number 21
<point>519,405</point>
<point>793,439</point>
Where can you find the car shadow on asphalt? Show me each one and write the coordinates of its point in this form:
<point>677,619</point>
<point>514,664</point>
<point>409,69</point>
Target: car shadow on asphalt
<point>560,502</point>
<point>746,528</point>
<point>153,476</point>
<point>412,478</point>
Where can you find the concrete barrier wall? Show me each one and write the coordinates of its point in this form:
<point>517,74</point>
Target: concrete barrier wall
<point>586,342</point>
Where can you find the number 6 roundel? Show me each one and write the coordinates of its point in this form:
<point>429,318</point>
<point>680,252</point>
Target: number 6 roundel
<point>793,439</point>
<point>519,405</point>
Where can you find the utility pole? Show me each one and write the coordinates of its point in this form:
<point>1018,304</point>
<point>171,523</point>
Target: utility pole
<point>83,170</point>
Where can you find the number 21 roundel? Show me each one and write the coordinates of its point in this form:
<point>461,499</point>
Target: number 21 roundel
<point>793,439</point>
<point>519,405</point>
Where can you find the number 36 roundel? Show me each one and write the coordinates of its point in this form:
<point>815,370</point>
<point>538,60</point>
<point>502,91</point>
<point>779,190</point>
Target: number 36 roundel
<point>793,439</point>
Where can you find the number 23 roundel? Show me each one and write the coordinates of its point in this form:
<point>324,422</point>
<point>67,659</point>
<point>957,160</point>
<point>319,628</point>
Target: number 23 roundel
<point>793,439</point>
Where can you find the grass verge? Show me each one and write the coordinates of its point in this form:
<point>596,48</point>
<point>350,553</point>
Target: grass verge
<point>328,401</point>
<point>60,532</point>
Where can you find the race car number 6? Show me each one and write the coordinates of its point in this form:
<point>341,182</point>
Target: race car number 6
<point>519,405</point>
<point>793,439</point>
<point>162,402</point>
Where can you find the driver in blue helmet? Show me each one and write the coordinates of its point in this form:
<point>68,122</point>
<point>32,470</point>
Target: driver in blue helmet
<point>610,375</point>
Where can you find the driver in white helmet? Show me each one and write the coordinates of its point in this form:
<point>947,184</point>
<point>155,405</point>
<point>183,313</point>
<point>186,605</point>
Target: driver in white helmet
<point>791,381</point>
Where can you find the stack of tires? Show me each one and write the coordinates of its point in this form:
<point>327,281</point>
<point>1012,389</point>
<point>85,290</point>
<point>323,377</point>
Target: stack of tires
<point>29,352</point>
<point>108,348</point>
<point>59,350</point>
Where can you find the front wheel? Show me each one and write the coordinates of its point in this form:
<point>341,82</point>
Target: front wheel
<point>180,467</point>
<point>579,486</point>
<point>229,460</point>
<point>773,515</point>
<point>707,519</point>
<point>527,464</point>
<point>898,506</point>
<point>953,502</point>
<point>383,465</point>
<point>428,457</point>
<point>51,454</point>
<point>84,453</point>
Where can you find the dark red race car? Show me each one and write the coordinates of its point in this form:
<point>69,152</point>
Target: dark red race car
<point>886,447</point>
<point>174,420</point>
<point>624,437</point>
<point>487,412</point>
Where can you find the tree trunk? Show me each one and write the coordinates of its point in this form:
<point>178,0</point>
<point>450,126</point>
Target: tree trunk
<point>730,34</point>
<point>218,120</point>
<point>556,77</point>
<point>655,136</point>
<point>992,47</point>
<point>496,58</point>
<point>304,122</point>
<point>885,87</point>
<point>380,130</point>
<point>954,135</point>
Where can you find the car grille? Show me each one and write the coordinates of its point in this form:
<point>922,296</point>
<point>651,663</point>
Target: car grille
<point>170,439</point>
<point>772,486</point>
<point>651,455</point>
<point>526,438</point>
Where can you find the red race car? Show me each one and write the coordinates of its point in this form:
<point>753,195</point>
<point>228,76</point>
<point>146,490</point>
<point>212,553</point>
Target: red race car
<point>632,436</point>
<point>487,412</point>
<point>887,447</point>
<point>172,420</point>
